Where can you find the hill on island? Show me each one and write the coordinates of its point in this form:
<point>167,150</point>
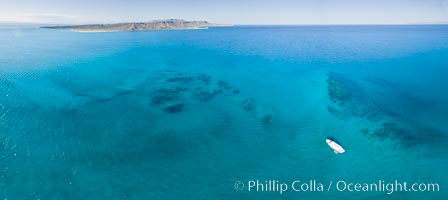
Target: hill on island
<point>167,24</point>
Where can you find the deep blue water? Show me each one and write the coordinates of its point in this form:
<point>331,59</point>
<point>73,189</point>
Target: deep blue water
<point>185,114</point>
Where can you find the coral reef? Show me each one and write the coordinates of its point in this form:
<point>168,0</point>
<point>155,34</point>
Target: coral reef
<point>165,95</point>
<point>178,89</point>
<point>350,98</point>
<point>172,91</point>
<point>393,131</point>
<point>337,90</point>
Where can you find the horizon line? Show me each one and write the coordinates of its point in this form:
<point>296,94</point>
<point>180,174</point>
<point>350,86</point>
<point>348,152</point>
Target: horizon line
<point>243,24</point>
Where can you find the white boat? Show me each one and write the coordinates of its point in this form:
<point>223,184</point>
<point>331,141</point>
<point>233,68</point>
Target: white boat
<point>335,146</point>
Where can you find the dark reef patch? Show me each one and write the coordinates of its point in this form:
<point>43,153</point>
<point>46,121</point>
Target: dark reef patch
<point>205,78</point>
<point>337,89</point>
<point>222,85</point>
<point>365,131</point>
<point>204,94</point>
<point>393,131</point>
<point>172,91</point>
<point>249,104</point>
<point>380,103</point>
<point>166,95</point>
<point>173,87</point>
<point>266,119</point>
<point>174,108</point>
<point>182,79</point>
<point>265,115</point>
<point>348,99</point>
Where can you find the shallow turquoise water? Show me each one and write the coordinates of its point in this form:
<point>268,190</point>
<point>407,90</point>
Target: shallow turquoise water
<point>185,114</point>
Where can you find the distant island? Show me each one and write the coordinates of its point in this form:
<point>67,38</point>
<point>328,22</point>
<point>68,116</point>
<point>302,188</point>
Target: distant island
<point>168,24</point>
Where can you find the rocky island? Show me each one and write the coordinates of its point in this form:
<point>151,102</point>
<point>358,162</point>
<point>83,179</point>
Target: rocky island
<point>169,24</point>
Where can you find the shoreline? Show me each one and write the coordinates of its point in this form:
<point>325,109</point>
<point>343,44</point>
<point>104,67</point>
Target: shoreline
<point>107,31</point>
<point>168,24</point>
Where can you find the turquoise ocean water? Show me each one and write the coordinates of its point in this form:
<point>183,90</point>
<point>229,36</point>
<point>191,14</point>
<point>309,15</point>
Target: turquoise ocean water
<point>186,114</point>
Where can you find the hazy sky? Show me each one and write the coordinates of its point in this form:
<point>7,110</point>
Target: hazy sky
<point>228,11</point>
